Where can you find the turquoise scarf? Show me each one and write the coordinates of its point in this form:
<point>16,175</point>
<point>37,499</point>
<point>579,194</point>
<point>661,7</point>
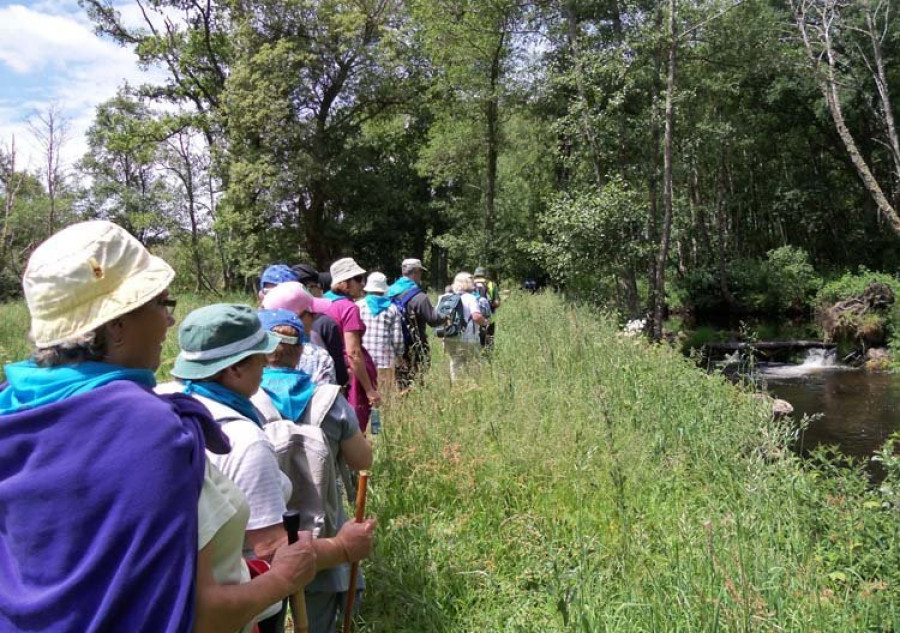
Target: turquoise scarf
<point>331,295</point>
<point>31,386</point>
<point>289,389</point>
<point>223,395</point>
<point>377,304</point>
<point>400,286</point>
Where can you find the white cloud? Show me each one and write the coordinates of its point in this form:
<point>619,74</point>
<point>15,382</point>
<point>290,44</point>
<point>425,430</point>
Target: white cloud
<point>53,41</point>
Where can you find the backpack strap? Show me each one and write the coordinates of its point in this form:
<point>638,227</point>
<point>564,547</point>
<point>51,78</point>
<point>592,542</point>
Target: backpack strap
<point>406,297</point>
<point>322,400</point>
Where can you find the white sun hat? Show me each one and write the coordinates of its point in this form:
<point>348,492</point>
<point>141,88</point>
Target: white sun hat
<point>376,283</point>
<point>344,269</point>
<point>86,275</point>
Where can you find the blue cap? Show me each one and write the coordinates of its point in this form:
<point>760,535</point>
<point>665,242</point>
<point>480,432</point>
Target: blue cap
<point>278,274</point>
<point>273,318</point>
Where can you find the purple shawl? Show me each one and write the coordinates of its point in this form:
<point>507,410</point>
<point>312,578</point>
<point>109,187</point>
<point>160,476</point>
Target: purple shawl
<point>98,513</point>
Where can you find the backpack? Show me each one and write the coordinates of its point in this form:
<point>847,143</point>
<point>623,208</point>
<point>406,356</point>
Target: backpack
<point>481,289</point>
<point>401,303</point>
<point>451,307</point>
<point>304,455</point>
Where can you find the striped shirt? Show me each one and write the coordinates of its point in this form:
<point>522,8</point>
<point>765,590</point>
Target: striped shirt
<point>384,335</point>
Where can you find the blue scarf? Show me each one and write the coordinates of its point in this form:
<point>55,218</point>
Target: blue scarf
<point>377,304</point>
<point>331,295</point>
<point>31,386</point>
<point>400,286</point>
<point>290,390</point>
<point>223,395</point>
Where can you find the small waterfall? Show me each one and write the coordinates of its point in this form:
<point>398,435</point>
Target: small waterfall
<point>815,360</point>
<point>819,358</point>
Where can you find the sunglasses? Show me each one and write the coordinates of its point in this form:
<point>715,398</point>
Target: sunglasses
<point>359,279</point>
<point>168,304</point>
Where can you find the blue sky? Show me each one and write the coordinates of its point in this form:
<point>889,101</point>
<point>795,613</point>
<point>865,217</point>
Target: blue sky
<point>50,55</point>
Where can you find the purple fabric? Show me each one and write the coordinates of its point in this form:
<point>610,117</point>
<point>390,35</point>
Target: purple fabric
<point>98,513</point>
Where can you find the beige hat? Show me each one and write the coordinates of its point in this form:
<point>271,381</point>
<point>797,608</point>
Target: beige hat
<point>86,275</point>
<point>377,283</point>
<point>410,265</point>
<point>344,269</point>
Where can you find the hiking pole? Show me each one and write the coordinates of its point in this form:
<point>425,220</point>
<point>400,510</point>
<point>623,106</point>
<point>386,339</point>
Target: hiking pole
<point>354,568</point>
<point>291,521</point>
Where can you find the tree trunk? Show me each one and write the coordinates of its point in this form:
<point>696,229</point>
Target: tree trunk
<point>493,143</point>
<point>653,178</point>
<point>662,256</point>
<point>887,110</point>
<point>828,85</point>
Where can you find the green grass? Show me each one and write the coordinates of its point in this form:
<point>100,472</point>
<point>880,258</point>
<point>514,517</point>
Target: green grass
<point>583,481</point>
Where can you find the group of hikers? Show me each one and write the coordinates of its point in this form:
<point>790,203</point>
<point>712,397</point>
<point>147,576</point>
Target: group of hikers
<point>136,506</point>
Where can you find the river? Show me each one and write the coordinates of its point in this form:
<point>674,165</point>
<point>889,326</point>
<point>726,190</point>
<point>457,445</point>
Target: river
<point>859,409</point>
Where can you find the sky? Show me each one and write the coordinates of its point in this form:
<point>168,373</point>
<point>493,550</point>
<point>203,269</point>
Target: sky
<point>49,55</point>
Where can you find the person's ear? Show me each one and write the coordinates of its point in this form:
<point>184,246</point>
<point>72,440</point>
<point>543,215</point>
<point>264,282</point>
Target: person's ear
<point>115,333</point>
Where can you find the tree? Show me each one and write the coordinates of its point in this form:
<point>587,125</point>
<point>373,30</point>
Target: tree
<point>821,23</point>
<point>50,128</point>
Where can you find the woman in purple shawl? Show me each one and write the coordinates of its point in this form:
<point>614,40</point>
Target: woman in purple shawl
<point>100,478</point>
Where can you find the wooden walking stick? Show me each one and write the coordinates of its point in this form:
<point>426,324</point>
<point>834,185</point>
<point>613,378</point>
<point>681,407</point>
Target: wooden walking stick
<point>291,521</point>
<point>354,568</point>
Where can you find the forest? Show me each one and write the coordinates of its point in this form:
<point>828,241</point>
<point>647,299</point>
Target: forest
<point>696,156</point>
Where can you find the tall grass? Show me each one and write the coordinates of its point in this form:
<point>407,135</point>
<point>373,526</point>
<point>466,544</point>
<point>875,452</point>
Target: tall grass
<point>582,481</point>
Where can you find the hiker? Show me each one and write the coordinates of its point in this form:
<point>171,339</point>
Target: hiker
<point>347,279</point>
<point>223,348</point>
<point>272,276</point>
<point>418,314</point>
<point>309,277</point>
<point>287,394</point>
<point>487,289</point>
<point>384,332</point>
<point>100,477</point>
<point>324,330</point>
<point>464,346</point>
<point>315,360</point>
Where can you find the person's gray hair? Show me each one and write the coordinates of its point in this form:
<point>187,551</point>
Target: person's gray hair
<point>78,349</point>
<point>463,282</point>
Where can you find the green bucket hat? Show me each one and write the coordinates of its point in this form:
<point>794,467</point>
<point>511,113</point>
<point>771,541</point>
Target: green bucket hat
<point>218,336</point>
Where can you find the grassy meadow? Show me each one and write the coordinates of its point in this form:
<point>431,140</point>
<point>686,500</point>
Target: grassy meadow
<point>584,481</point>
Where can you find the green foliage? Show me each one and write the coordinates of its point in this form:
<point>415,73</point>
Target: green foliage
<point>853,284</point>
<point>791,278</point>
<point>591,233</point>
<point>585,481</point>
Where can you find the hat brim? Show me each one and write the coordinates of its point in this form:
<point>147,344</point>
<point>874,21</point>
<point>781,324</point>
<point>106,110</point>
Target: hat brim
<point>319,306</point>
<point>347,274</point>
<point>136,290</point>
<point>200,369</point>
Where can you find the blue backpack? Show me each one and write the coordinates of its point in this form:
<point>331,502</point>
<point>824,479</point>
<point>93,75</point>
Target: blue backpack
<point>401,303</point>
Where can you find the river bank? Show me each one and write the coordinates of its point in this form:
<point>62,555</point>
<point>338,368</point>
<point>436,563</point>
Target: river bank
<point>587,481</point>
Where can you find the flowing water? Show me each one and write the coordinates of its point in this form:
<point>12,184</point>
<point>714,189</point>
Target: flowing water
<point>858,410</point>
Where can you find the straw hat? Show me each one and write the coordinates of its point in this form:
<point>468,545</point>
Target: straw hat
<point>218,336</point>
<point>86,275</point>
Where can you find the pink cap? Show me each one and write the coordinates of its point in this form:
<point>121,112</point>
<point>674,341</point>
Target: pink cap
<point>291,295</point>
